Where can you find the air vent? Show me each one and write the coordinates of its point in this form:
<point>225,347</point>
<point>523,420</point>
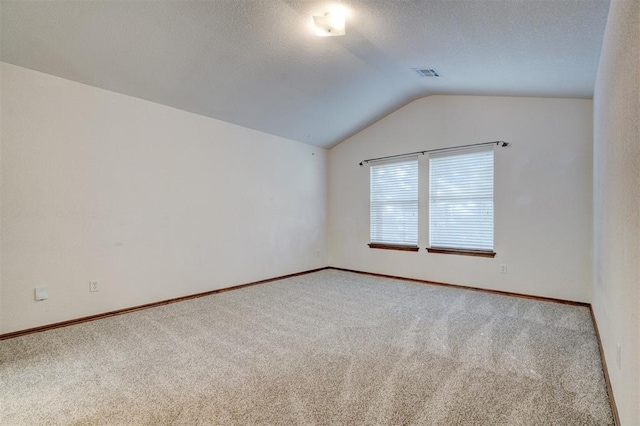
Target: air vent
<point>427,72</point>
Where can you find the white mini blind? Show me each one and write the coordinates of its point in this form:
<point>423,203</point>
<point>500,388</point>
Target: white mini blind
<point>394,202</point>
<point>461,200</point>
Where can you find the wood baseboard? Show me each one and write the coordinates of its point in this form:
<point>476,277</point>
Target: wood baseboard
<point>146,306</point>
<point>222,290</point>
<point>612,401</point>
<point>464,287</point>
<point>208,293</point>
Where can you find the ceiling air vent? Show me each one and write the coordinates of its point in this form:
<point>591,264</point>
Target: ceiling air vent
<point>427,72</point>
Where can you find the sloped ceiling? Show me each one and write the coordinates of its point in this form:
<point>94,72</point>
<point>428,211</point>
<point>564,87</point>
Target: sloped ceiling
<point>257,63</point>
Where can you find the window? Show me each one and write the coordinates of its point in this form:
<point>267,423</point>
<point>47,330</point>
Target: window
<point>394,204</point>
<point>461,201</point>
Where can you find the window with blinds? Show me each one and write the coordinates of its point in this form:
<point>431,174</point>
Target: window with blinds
<point>461,200</point>
<point>394,203</point>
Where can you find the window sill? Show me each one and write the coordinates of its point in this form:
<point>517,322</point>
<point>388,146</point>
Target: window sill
<point>393,247</point>
<point>462,252</point>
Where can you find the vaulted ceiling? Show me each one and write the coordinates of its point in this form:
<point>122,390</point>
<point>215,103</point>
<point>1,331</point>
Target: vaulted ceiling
<point>258,64</point>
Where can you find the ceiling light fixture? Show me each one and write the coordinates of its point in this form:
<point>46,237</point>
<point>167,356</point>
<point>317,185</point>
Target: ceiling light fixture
<point>330,24</point>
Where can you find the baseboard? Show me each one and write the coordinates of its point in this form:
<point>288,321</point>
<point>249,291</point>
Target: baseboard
<point>464,287</point>
<point>612,402</point>
<point>208,293</point>
<point>605,369</point>
<point>146,306</point>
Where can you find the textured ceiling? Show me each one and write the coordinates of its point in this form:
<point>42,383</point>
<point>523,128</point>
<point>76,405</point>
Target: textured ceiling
<point>257,63</point>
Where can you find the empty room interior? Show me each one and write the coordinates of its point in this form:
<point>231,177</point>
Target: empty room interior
<point>381,212</point>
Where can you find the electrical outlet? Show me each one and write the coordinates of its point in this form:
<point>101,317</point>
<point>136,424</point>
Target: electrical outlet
<point>41,293</point>
<point>619,356</point>
<point>94,285</point>
<point>503,268</point>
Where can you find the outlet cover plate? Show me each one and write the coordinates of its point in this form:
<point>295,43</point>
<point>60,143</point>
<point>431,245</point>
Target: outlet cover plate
<point>41,293</point>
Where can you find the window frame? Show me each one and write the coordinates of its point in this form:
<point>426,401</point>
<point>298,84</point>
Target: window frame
<point>467,250</point>
<point>375,241</point>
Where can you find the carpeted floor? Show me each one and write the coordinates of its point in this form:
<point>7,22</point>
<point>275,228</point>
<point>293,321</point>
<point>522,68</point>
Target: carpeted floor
<point>329,347</point>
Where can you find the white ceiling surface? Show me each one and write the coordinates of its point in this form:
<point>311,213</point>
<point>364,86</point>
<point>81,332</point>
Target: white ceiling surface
<point>257,63</point>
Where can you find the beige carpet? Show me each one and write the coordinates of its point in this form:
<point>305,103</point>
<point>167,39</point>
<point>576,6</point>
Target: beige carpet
<point>324,348</point>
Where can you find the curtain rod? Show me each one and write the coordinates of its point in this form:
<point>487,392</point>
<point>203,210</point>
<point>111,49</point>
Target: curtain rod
<point>499,143</point>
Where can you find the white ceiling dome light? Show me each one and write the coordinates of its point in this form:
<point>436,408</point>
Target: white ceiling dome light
<point>330,24</point>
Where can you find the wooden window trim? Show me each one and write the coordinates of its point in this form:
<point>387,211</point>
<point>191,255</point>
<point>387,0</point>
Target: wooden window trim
<point>393,247</point>
<point>462,252</point>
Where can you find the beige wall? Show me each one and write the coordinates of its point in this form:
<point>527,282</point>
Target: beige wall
<point>616,300</point>
<point>152,201</point>
<point>543,193</point>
